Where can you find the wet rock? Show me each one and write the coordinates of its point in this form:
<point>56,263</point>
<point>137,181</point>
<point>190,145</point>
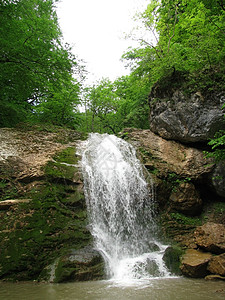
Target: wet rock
<point>171,258</point>
<point>218,179</point>
<point>78,265</point>
<point>185,118</point>
<point>153,247</point>
<point>214,277</point>
<point>211,237</point>
<point>152,268</point>
<point>33,233</point>
<point>194,263</point>
<point>186,199</point>
<point>217,265</point>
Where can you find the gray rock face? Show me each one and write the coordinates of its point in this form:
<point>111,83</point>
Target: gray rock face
<point>218,179</point>
<point>186,119</point>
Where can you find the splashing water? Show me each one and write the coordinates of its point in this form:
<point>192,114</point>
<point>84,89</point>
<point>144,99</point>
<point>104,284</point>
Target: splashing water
<point>120,205</point>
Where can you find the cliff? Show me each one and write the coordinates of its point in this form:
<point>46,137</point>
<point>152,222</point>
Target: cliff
<point>42,209</point>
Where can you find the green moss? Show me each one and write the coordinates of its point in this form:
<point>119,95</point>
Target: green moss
<point>36,233</point>
<point>63,166</point>
<point>68,156</point>
<point>171,258</point>
<point>174,180</point>
<point>182,219</point>
<point>55,170</point>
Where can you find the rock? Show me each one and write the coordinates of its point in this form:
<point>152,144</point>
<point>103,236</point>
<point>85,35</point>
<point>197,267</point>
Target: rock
<point>153,247</point>
<point>214,277</point>
<point>218,179</point>
<point>152,268</point>
<point>165,157</point>
<point>185,118</point>
<point>194,263</point>
<point>217,265</point>
<point>6,204</point>
<point>171,258</point>
<point>186,199</point>
<point>78,265</point>
<point>211,237</point>
<point>36,232</point>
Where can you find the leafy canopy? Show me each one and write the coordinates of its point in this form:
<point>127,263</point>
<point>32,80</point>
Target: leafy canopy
<point>35,66</point>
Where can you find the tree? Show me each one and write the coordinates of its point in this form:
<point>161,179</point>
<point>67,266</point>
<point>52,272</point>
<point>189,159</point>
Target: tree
<point>34,64</point>
<point>190,38</point>
<point>101,105</point>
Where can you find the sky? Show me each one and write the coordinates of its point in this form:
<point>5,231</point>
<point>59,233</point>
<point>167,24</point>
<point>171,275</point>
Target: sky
<point>96,30</point>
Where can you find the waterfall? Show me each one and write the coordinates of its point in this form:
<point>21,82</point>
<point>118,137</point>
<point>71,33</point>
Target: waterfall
<point>120,205</point>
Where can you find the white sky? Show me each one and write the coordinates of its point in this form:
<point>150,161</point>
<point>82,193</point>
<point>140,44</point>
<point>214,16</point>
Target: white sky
<point>96,30</point>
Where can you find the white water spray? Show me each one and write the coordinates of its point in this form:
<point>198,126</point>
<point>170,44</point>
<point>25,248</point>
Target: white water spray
<point>121,209</point>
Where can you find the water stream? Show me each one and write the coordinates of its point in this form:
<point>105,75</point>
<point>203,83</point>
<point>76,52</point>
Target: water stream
<point>120,204</point>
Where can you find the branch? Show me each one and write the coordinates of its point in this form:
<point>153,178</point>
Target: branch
<point>175,21</point>
<point>150,45</point>
<point>221,4</point>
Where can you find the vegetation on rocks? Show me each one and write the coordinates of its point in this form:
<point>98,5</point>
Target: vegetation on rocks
<point>37,232</point>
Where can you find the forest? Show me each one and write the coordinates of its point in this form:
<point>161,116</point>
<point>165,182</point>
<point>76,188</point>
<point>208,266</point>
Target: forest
<point>42,81</point>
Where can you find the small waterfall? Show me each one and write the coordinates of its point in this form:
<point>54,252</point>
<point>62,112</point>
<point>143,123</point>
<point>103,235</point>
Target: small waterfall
<point>121,209</point>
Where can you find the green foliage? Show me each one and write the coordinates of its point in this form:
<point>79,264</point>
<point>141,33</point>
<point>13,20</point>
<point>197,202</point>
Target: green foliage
<point>188,37</point>
<point>112,106</point>
<point>174,180</point>
<point>182,219</point>
<point>218,146</point>
<point>35,67</point>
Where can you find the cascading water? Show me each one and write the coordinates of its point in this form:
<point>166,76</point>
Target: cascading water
<point>121,209</point>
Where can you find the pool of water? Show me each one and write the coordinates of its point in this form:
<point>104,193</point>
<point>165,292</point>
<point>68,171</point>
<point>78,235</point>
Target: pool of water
<point>157,289</point>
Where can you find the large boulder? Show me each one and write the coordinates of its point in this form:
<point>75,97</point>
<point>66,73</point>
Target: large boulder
<point>217,265</point>
<point>194,263</point>
<point>186,118</point>
<point>77,265</point>
<point>169,157</point>
<point>218,179</point>
<point>171,259</point>
<point>186,199</point>
<point>211,237</point>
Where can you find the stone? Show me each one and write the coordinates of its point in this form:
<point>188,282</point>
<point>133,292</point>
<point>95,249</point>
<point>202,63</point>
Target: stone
<point>186,199</point>
<point>214,277</point>
<point>79,265</point>
<point>171,259</point>
<point>191,118</point>
<point>194,263</point>
<point>166,157</point>
<point>6,204</point>
<point>211,237</point>
<point>218,179</point>
<point>217,265</point>
<point>34,233</point>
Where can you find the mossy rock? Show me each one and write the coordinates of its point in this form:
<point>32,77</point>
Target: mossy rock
<point>34,234</point>
<point>63,167</point>
<point>171,258</point>
<point>77,265</point>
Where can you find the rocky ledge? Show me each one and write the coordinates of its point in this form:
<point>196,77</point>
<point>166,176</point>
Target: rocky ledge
<point>43,217</point>
<point>191,206</point>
